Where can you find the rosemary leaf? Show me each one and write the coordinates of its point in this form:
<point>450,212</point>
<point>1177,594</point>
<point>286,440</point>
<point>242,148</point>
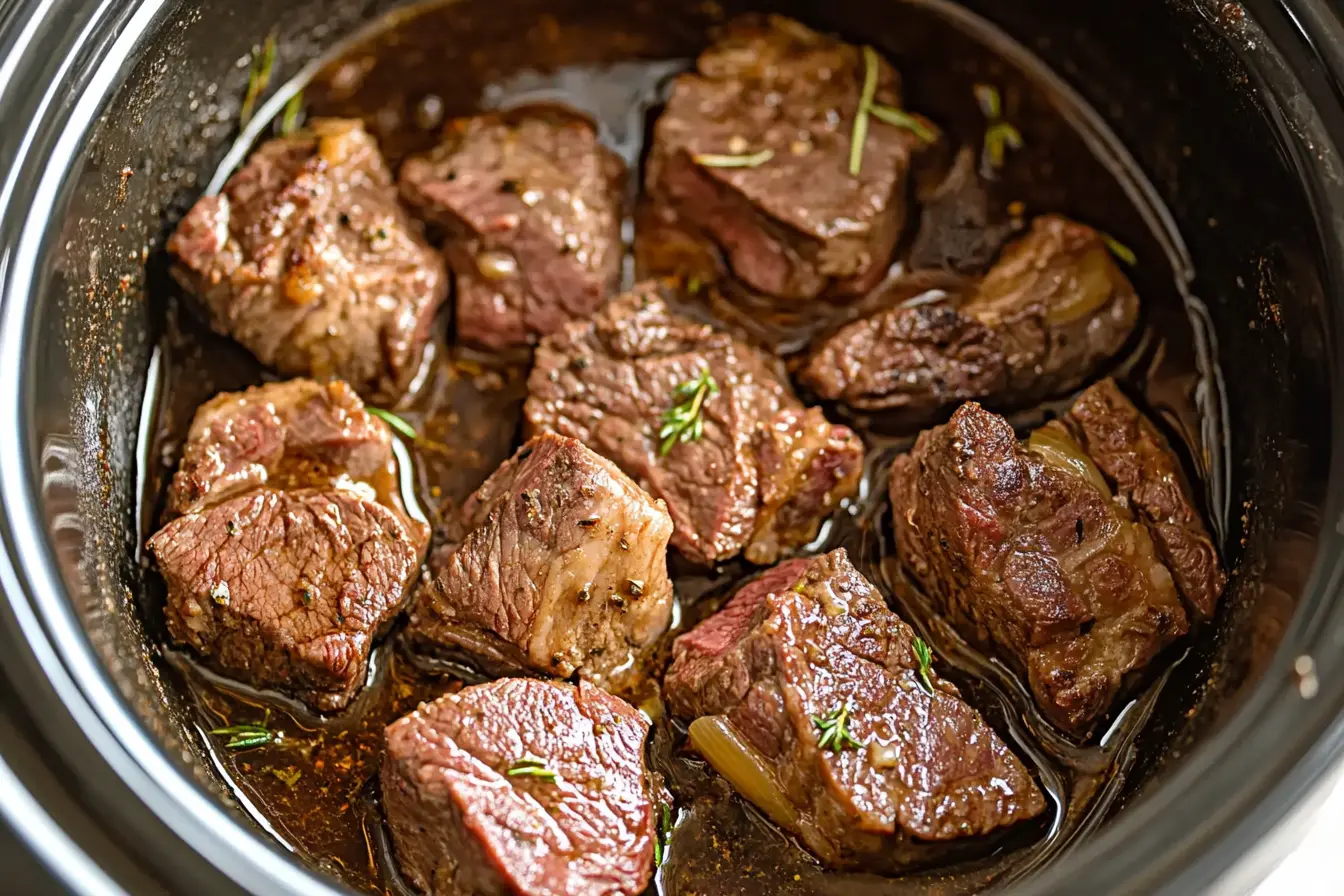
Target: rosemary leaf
<point>834,730</point>
<point>902,119</point>
<point>392,420</point>
<point>243,737</point>
<point>531,767</point>
<point>923,656</point>
<point>751,160</point>
<point>1120,250</point>
<point>860,133</point>
<point>258,78</point>
<point>289,120</point>
<point>683,422</point>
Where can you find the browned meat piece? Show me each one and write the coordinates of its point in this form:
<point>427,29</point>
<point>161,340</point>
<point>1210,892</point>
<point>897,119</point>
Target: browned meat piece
<point>797,224</point>
<point>565,568</point>
<point>522,787</point>
<point>532,203</point>
<point>1052,309</point>
<point>307,259</point>
<point>284,549</point>
<point>762,475</point>
<point>957,229</point>
<point>1140,466</point>
<point>1024,549</point>
<point>811,637</point>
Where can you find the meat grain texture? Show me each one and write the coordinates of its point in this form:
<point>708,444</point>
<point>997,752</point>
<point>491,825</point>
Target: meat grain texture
<point>812,635</point>
<point>564,568</point>
<point>797,224</point>
<point>308,260</point>
<point>531,202</point>
<point>764,473</point>
<point>462,825</point>
<point>1038,557</point>
<point>284,550</point>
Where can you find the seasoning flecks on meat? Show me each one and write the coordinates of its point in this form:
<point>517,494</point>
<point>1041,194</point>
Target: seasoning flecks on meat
<point>700,420</point>
<point>1051,310</point>
<point>823,687</point>
<point>307,259</point>
<point>1139,464</point>
<point>793,222</point>
<point>284,549</point>
<point>1026,551</point>
<point>524,787</point>
<point>532,204</point>
<point>564,569</point>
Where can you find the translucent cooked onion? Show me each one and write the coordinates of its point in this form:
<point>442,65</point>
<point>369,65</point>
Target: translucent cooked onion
<point>1058,449</point>
<point>746,769</point>
<point>1090,289</point>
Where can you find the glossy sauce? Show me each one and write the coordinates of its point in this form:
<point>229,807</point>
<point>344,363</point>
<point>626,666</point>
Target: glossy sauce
<point>315,790</point>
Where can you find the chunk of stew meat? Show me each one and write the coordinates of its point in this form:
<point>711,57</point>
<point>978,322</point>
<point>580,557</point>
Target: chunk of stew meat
<point>754,147</point>
<point>524,787</point>
<point>531,202</point>
<point>700,420</point>
<point>1036,554</point>
<point>1047,315</point>
<point>284,549</point>
<point>564,569</point>
<point>307,259</point>
<point>808,694</point>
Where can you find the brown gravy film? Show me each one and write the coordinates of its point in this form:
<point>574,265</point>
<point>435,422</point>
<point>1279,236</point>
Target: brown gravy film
<point>315,790</point>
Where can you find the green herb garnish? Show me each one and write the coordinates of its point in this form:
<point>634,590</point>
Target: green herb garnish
<point>258,78</point>
<point>860,134</point>
<point>290,777</point>
<point>834,730</point>
<point>924,656</point>
<point>664,833</point>
<point>289,120</point>
<point>394,421</point>
<point>244,737</point>
<point>749,160</point>
<point>683,421</point>
<point>1000,136</point>
<point>532,767</point>
<point>902,119</point>
<point>1120,250</point>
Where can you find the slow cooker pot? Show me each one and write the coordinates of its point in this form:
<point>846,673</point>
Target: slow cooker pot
<point>116,113</point>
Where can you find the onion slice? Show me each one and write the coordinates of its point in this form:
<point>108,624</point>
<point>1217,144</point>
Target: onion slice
<point>1057,448</point>
<point>750,773</point>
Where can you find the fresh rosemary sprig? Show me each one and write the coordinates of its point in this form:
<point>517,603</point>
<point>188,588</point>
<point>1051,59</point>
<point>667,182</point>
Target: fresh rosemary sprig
<point>748,160</point>
<point>1120,250</point>
<point>244,737</point>
<point>834,730</point>
<point>258,78</point>
<point>289,120</point>
<point>531,767</point>
<point>664,832</point>
<point>394,421</point>
<point>1000,136</point>
<point>884,113</point>
<point>923,656</point>
<point>684,422</point>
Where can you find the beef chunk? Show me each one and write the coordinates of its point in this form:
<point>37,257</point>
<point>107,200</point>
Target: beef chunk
<point>465,821</point>
<point>564,570</point>
<point>812,636</point>
<point>284,553</point>
<point>957,229</point>
<point>1143,470</point>
<point>307,259</point>
<point>1028,554</point>
<point>798,224</point>
<point>764,471</point>
<point>532,203</point>
<point>1051,310</point>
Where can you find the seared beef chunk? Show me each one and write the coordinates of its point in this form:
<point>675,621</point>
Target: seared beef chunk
<point>281,561</point>
<point>957,230</point>
<point>756,472</point>
<point>797,224</point>
<point>1052,309</point>
<point>809,639</point>
<point>522,787</point>
<point>532,203</point>
<point>1140,466</point>
<point>565,568</point>
<point>1026,551</point>
<point>307,259</point>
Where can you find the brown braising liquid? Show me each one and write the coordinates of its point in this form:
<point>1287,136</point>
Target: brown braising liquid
<point>315,790</point>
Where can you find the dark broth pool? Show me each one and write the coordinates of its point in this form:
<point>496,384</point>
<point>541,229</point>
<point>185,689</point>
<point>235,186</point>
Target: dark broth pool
<point>315,790</point>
